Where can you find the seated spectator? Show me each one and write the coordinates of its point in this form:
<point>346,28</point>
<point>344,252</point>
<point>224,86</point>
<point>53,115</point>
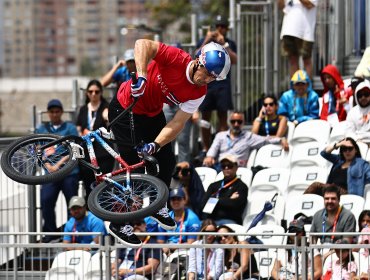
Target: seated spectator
<point>350,172</point>
<point>335,99</point>
<point>186,220</point>
<point>82,221</point>
<point>284,266</point>
<point>240,263</point>
<point>364,227</point>
<point>238,142</point>
<point>268,123</point>
<point>344,267</point>
<point>186,177</point>
<point>359,116</point>
<point>225,200</point>
<point>333,217</point>
<point>300,103</point>
<point>214,258</point>
<point>139,264</point>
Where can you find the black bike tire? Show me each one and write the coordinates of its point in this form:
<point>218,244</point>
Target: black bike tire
<point>33,179</point>
<point>121,218</point>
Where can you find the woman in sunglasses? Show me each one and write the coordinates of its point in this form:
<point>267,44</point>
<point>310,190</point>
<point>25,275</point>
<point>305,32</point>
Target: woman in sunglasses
<point>212,258</point>
<point>92,115</point>
<point>349,171</point>
<point>268,122</point>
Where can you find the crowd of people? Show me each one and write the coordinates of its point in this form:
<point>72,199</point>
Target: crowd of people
<point>167,74</point>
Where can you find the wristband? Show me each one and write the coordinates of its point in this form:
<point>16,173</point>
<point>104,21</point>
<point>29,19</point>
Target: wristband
<point>157,146</point>
<point>258,119</point>
<point>335,146</point>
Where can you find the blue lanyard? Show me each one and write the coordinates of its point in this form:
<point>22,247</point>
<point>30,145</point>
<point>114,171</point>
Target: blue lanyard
<point>267,128</point>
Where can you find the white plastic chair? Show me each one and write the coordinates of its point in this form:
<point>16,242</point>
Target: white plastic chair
<point>307,204</point>
<point>291,128</point>
<point>96,268</point>
<point>363,149</point>
<point>312,130</point>
<point>265,262</point>
<point>238,229</point>
<point>244,173</point>
<point>269,181</point>
<point>207,175</point>
<point>362,261</point>
<point>352,202</point>
<point>302,177</point>
<point>255,206</point>
<point>272,156</point>
<point>71,265</point>
<point>263,232</point>
<point>338,131</point>
<point>251,158</point>
<point>308,154</point>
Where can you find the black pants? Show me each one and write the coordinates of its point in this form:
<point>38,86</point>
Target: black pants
<point>146,129</point>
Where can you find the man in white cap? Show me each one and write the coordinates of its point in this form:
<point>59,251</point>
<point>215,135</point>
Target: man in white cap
<point>82,221</point>
<point>120,72</point>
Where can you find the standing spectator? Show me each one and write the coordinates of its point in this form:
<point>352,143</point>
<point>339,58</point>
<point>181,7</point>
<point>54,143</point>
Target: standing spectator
<point>298,32</point>
<point>359,116</point>
<point>218,92</point>
<point>268,122</point>
<point>82,221</point>
<point>300,103</point>
<point>139,264</point>
<point>225,200</point>
<point>238,142</point>
<point>335,100</point>
<point>333,218</point>
<point>186,220</point>
<point>69,184</point>
<point>186,177</point>
<point>120,72</point>
<point>201,259</point>
<point>92,115</point>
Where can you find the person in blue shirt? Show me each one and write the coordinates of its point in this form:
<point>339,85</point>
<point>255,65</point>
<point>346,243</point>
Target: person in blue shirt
<point>82,221</point>
<point>186,220</point>
<point>120,72</point>
<point>300,103</point>
<point>69,184</point>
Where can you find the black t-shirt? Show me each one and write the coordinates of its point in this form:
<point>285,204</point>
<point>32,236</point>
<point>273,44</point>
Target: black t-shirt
<point>338,176</point>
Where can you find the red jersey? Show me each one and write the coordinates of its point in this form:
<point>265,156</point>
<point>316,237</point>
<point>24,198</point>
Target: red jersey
<point>167,82</point>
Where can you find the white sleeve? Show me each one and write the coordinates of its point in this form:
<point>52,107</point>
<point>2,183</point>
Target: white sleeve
<point>191,106</point>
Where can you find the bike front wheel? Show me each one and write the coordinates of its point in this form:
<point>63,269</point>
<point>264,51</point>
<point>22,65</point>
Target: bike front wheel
<point>22,162</point>
<point>146,195</point>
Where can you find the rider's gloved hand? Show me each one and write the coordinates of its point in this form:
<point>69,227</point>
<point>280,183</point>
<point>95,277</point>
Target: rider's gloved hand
<point>138,89</point>
<point>147,149</point>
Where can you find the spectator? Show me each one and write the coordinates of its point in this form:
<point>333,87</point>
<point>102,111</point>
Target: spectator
<point>213,258</point>
<point>226,200</point>
<point>186,177</point>
<point>69,184</point>
<point>238,142</point>
<point>300,103</point>
<point>350,172</point>
<point>284,266</point>
<point>268,123</point>
<point>344,267</point>
<point>82,221</point>
<point>335,102</point>
<point>364,220</point>
<point>364,227</point>
<point>298,32</point>
<point>186,220</point>
<point>120,72</point>
<point>359,116</point>
<point>139,264</point>
<point>218,92</point>
<point>240,263</point>
<point>93,115</point>
<point>333,218</point>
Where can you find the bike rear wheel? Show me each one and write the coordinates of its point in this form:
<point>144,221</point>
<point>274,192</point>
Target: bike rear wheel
<point>21,162</point>
<point>148,195</point>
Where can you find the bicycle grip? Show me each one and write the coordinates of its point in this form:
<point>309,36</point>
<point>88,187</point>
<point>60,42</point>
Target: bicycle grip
<point>133,77</point>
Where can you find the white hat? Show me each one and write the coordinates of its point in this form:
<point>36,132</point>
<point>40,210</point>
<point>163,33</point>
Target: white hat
<point>129,55</point>
<point>229,157</point>
<point>76,201</point>
<point>362,85</point>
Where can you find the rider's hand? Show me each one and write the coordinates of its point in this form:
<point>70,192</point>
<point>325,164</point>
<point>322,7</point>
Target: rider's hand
<point>147,149</point>
<point>138,89</point>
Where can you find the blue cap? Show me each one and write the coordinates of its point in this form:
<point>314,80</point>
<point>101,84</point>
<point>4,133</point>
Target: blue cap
<point>55,103</point>
<point>178,192</point>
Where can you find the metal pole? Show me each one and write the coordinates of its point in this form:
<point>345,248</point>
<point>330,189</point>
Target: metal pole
<point>238,65</point>
<point>75,94</point>
<point>32,212</point>
<point>276,49</point>
<point>33,119</point>
<point>232,16</point>
<point>193,19</point>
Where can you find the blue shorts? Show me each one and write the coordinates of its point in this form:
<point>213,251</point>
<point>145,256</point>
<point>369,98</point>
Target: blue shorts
<point>218,98</point>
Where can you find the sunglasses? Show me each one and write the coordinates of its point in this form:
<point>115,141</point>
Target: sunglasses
<point>363,94</point>
<point>268,104</point>
<point>236,121</point>
<point>184,171</point>
<point>300,84</point>
<point>227,165</point>
<point>347,148</point>
<point>93,91</point>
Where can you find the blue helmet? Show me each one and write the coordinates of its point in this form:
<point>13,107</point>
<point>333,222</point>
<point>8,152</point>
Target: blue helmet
<point>215,59</point>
